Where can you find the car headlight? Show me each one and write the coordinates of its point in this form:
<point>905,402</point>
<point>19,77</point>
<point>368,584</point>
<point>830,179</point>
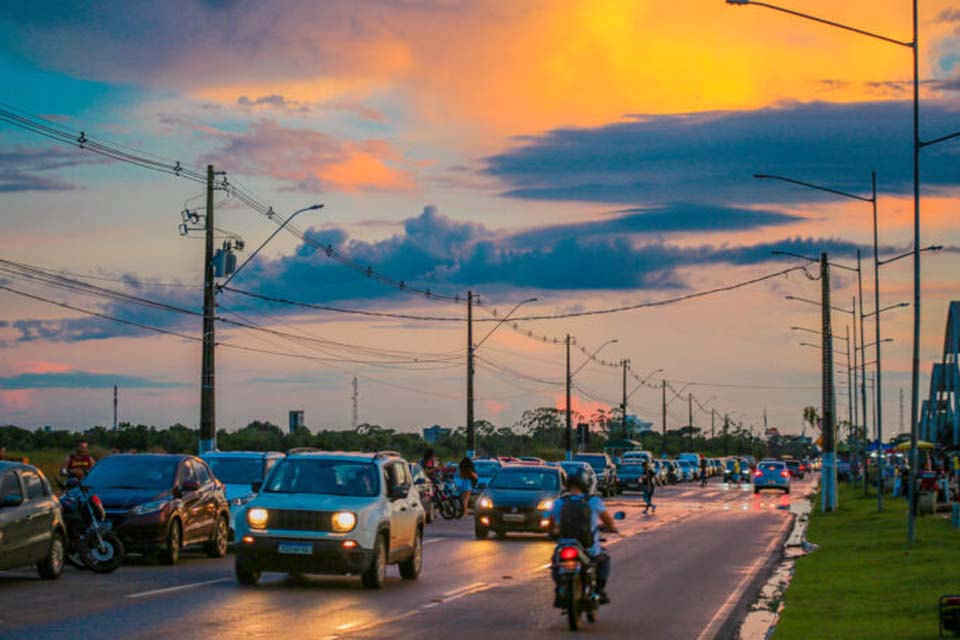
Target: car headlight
<point>242,500</point>
<point>257,518</point>
<point>344,521</point>
<point>149,507</point>
<point>486,503</point>
<point>545,505</point>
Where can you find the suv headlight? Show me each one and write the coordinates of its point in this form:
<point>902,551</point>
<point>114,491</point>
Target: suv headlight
<point>257,518</point>
<point>149,507</point>
<point>545,505</point>
<point>343,521</point>
<point>485,503</point>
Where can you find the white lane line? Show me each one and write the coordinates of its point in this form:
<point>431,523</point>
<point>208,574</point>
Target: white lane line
<point>429,540</point>
<point>192,585</point>
<point>469,593</point>
<point>713,627</point>
<point>461,589</point>
<point>542,567</point>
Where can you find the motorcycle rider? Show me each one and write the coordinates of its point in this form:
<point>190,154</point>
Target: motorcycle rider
<point>79,463</point>
<point>578,487</point>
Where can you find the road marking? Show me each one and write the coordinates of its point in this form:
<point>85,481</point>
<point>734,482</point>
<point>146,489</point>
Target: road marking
<point>192,585</point>
<point>429,540</point>
<point>713,627</point>
<point>466,588</point>
<point>470,593</point>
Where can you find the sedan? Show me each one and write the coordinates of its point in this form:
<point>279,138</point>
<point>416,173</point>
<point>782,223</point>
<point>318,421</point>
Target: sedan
<point>160,503</point>
<point>630,476</point>
<point>519,498</point>
<point>771,474</point>
<point>31,523</point>
<point>795,467</point>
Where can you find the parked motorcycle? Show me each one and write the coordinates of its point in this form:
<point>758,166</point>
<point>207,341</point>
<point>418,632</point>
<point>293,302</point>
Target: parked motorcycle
<point>575,577</point>
<point>90,544</point>
<point>448,499</point>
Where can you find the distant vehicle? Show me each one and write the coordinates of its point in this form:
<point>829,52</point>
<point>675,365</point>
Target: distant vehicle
<point>728,474</point>
<point>31,522</point>
<point>160,503</point>
<point>771,474</point>
<point>333,513</point>
<point>843,470</point>
<point>605,469</point>
<point>673,472</point>
<point>242,473</point>
<point>795,468</point>
<point>693,458</point>
<point>633,456</point>
<point>532,460</point>
<point>688,470</point>
<point>569,466</point>
<point>519,498</point>
<point>630,476</point>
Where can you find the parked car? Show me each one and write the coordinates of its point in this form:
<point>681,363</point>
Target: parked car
<point>333,513</point>
<point>519,498</point>
<point>692,458</point>
<point>630,476</point>
<point>31,522</point>
<point>604,468</point>
<point>242,473</point>
<point>795,468</point>
<point>771,474</point>
<point>636,456</point>
<point>672,471</point>
<point>161,503</point>
<point>569,466</point>
<point>687,470</point>
<point>426,491</point>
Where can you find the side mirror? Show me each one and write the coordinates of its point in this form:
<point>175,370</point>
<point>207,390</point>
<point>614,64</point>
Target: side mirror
<point>189,486</point>
<point>619,515</point>
<point>11,500</point>
<point>398,491</point>
<point>255,486</point>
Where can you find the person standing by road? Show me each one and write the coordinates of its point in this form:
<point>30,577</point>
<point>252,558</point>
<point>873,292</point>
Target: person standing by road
<point>80,462</point>
<point>468,477</point>
<point>703,471</point>
<point>736,471</point>
<point>648,484</point>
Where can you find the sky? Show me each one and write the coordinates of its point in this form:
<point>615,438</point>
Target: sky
<point>591,154</point>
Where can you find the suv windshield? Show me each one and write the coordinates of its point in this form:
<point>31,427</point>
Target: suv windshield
<point>324,476</point>
<point>527,479</point>
<point>133,472</point>
<point>237,470</point>
<point>599,463</point>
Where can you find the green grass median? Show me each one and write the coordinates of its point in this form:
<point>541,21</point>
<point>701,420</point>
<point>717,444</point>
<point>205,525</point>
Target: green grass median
<point>865,581</point>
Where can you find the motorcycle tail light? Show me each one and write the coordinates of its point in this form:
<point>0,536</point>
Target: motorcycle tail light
<point>569,553</point>
<point>96,501</point>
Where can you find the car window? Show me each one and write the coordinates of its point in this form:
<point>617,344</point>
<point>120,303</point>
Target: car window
<point>237,470</point>
<point>186,473</point>
<point>133,472</point>
<point>529,479</point>
<point>396,474</point>
<point>771,466</point>
<point>34,485</point>
<point>203,473</point>
<point>10,485</point>
<point>324,476</point>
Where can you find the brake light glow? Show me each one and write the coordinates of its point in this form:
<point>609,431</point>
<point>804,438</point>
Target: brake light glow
<point>349,544</point>
<point>786,474</point>
<point>758,473</point>
<point>569,553</point>
<point>96,500</point>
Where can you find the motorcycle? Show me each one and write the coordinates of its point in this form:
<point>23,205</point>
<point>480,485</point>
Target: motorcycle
<point>90,543</point>
<point>448,499</point>
<point>575,576</point>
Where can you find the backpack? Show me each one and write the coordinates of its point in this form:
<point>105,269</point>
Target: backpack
<point>575,521</point>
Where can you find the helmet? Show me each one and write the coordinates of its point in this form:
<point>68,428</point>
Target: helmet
<point>579,479</point>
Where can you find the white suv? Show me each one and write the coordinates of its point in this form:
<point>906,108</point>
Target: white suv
<point>333,513</point>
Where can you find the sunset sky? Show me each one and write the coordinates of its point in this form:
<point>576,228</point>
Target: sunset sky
<point>590,153</point>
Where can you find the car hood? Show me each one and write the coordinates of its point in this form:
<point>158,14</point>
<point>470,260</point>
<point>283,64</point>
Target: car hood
<point>629,475</point>
<point>311,502</point>
<point>128,498</point>
<point>519,498</point>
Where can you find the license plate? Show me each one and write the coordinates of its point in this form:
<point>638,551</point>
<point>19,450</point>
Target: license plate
<point>514,517</point>
<point>295,548</point>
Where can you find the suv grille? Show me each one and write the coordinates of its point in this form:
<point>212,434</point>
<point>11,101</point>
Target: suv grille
<point>299,520</point>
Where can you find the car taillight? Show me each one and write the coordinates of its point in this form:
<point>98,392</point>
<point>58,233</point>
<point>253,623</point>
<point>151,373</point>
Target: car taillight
<point>569,553</point>
<point>785,474</point>
<point>758,473</point>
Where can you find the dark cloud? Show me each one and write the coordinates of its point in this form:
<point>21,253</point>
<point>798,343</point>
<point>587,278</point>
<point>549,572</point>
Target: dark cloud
<point>81,380</point>
<point>711,156</point>
<point>23,169</point>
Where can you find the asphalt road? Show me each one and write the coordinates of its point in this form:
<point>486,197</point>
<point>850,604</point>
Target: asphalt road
<point>686,572</point>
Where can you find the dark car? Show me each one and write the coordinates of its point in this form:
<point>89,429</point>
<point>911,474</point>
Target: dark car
<point>519,498</point>
<point>630,476</point>
<point>795,467</point>
<point>160,503</point>
<point>604,468</point>
<point>31,523</point>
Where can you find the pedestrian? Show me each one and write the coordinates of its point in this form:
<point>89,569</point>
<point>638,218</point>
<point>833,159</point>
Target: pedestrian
<point>3,453</point>
<point>468,478</point>
<point>648,485</point>
<point>80,462</point>
<point>703,471</point>
<point>897,482</point>
<point>736,471</point>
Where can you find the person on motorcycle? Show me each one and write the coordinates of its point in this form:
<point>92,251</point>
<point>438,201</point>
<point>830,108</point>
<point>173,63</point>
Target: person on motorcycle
<point>430,464</point>
<point>578,487</point>
<point>79,463</point>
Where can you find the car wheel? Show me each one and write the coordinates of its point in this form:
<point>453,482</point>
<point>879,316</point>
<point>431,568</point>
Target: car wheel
<point>245,575</point>
<point>217,546</point>
<point>480,532</point>
<point>376,573</point>
<point>51,567</point>
<point>756,489</point>
<point>501,533</point>
<point>787,490</point>
<point>171,552</point>
<point>410,568</point>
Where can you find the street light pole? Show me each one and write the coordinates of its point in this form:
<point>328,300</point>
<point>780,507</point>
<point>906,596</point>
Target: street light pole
<point>663,392</point>
<point>568,441</point>
<point>829,481</point>
<point>878,394</point>
<point>626,363</point>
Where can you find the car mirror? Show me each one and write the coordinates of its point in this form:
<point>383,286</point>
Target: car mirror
<point>619,515</point>
<point>255,486</point>
<point>11,500</point>
<point>189,486</point>
<point>398,491</point>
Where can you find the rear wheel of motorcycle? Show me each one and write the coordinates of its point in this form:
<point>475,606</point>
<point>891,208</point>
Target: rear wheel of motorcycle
<point>102,557</point>
<point>574,601</point>
<point>217,546</point>
<point>448,510</point>
<point>171,552</point>
<point>51,567</point>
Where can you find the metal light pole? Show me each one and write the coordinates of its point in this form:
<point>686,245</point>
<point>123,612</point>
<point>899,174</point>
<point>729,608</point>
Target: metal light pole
<point>570,374</point>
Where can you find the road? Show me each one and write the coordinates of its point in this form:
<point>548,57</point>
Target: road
<point>686,572</point>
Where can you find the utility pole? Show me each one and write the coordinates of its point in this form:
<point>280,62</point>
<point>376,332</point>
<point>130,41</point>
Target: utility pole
<point>713,423</point>
<point>569,439</point>
<point>208,406</point>
<point>356,398</point>
<point>663,389</point>
<point>726,433</point>
<point>690,418</point>
<point>471,436</point>
<point>829,480</point>
<point>114,407</point>
<point>865,439</point>
<point>851,385</point>
<point>901,410</point>
<point>626,363</point>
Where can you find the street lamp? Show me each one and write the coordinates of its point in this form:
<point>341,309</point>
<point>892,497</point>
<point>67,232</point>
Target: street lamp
<point>918,144</point>
<point>569,434</point>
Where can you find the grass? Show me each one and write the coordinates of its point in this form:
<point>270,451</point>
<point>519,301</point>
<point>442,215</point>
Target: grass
<point>865,581</point>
